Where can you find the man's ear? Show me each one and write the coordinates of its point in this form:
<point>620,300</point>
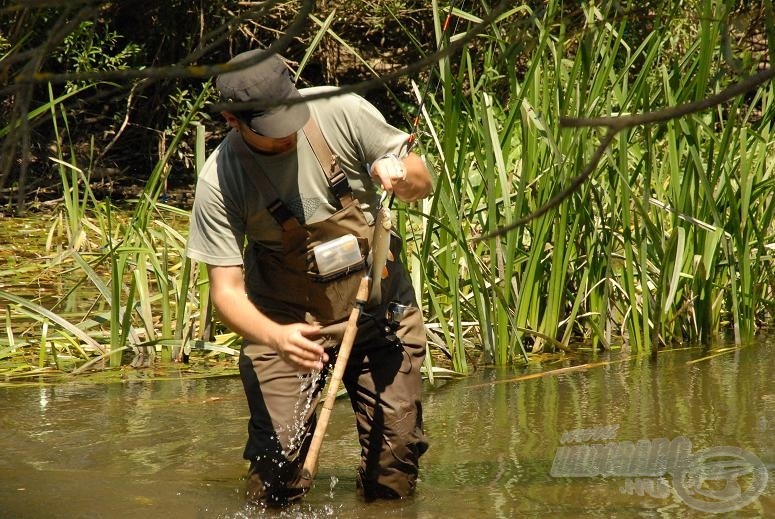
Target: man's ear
<point>231,119</point>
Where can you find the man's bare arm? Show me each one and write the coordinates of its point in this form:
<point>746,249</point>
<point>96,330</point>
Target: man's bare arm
<point>292,341</point>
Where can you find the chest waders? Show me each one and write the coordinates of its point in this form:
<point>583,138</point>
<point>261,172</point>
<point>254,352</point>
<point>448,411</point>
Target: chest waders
<point>383,381</point>
<point>287,284</point>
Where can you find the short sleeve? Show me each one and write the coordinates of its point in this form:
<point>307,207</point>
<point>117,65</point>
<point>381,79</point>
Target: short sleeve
<point>377,136</point>
<point>216,231</point>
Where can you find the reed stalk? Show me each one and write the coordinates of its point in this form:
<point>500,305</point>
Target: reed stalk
<point>669,240</point>
<point>661,246</point>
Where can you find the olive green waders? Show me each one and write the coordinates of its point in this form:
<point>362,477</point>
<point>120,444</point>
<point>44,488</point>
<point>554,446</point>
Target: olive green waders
<point>384,384</point>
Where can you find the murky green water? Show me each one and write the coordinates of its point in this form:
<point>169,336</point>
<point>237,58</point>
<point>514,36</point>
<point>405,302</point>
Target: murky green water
<point>173,448</point>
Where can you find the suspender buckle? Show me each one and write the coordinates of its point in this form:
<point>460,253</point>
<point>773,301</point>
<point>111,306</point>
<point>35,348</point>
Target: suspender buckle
<point>339,184</point>
<point>280,212</point>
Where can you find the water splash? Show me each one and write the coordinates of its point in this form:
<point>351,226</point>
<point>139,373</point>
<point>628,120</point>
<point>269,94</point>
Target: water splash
<point>303,407</point>
<point>331,485</point>
<point>294,511</point>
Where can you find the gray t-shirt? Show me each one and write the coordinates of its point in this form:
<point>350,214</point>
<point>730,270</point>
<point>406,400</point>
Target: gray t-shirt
<point>230,208</point>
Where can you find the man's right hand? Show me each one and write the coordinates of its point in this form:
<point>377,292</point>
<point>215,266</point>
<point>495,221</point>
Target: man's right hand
<point>407,177</point>
<point>293,342</point>
<point>294,345</point>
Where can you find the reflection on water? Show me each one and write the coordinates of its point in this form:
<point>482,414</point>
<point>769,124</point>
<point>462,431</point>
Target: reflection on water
<point>173,448</point>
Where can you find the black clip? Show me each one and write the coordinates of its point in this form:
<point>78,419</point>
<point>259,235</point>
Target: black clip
<point>337,180</point>
<point>387,325</point>
<point>280,212</point>
<point>392,322</point>
<point>340,186</point>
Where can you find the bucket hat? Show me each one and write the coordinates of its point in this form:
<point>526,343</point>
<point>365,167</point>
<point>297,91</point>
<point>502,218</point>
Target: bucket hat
<point>266,82</point>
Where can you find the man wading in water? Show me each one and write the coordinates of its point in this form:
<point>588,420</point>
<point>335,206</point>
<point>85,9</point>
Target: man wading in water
<point>267,196</point>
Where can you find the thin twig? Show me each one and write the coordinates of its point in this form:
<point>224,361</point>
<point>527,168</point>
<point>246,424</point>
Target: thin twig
<point>363,86</point>
<point>560,197</point>
<point>619,123</point>
<point>622,122</point>
<point>176,71</point>
<point>554,372</point>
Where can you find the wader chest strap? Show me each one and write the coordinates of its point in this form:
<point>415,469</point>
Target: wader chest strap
<point>279,211</point>
<point>282,215</point>
<point>337,180</point>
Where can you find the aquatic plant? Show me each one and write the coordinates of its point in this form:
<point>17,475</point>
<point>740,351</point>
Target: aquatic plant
<point>668,240</point>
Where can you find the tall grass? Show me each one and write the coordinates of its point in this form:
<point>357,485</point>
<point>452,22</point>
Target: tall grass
<point>668,240</point>
<point>146,291</point>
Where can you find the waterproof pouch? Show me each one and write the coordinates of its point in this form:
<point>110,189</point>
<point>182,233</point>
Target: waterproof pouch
<point>338,257</point>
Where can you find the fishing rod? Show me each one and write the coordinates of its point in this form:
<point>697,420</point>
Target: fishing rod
<point>411,142</point>
<point>369,290</point>
<point>370,281</point>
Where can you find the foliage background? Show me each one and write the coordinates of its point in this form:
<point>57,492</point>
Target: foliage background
<point>669,240</point>
<point>132,121</point>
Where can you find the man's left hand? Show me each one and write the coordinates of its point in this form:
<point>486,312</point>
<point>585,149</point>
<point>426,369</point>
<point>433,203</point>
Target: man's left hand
<point>407,177</point>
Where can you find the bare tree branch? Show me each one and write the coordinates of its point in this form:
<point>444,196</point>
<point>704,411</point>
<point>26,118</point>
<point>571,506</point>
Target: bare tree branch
<point>629,121</point>
<point>61,29</point>
<point>278,46</point>
<point>174,71</point>
<point>20,126</point>
<point>619,123</point>
<point>383,80</point>
<point>558,198</point>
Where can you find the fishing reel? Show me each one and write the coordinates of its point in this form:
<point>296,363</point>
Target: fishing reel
<point>390,323</point>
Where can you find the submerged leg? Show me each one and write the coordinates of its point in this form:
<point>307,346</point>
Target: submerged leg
<point>282,405</point>
<point>385,388</point>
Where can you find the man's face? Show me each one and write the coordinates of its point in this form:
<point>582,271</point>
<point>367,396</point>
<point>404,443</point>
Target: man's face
<point>268,145</point>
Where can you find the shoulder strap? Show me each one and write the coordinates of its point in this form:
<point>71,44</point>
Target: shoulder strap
<point>329,161</point>
<point>279,211</point>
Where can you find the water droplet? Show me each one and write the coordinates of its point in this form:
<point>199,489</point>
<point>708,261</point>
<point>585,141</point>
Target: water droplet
<point>302,407</point>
